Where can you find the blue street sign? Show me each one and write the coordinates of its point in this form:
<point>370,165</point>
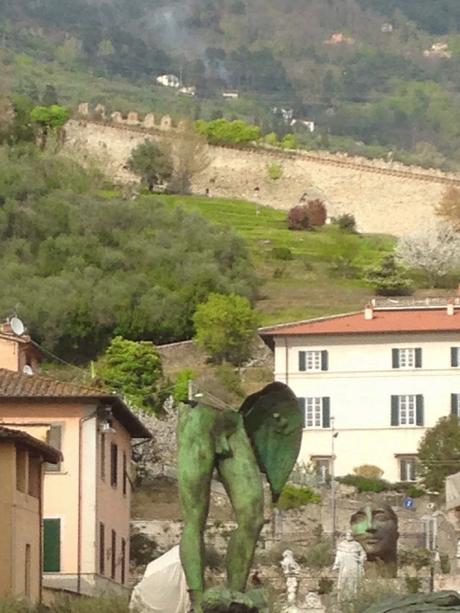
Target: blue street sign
<point>408,503</point>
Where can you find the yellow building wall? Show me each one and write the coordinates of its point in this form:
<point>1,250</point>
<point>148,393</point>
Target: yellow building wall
<point>60,491</point>
<point>20,526</point>
<point>9,354</point>
<point>113,507</point>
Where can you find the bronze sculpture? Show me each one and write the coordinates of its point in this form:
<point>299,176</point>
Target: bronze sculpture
<point>263,436</point>
<point>375,527</point>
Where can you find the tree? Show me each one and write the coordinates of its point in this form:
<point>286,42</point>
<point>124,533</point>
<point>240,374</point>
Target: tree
<point>298,217</point>
<point>225,327</point>
<point>317,213</point>
<point>449,207</point>
<point>133,369</point>
<point>435,251</point>
<point>152,162</point>
<point>439,453</point>
<point>190,153</point>
<point>389,279</point>
<point>49,119</point>
<point>50,96</point>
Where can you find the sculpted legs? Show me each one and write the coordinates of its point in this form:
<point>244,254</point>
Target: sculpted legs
<point>195,461</point>
<point>241,477</point>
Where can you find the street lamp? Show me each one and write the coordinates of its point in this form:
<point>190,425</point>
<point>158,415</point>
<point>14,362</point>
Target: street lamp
<point>334,435</point>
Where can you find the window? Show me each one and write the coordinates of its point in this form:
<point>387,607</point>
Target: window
<point>316,412</point>
<point>407,469</point>
<point>455,404</point>
<point>35,476</point>
<point>407,410</point>
<point>52,545</point>
<point>21,466</point>
<point>125,473</point>
<point>407,358</point>
<point>313,360</point>
<point>113,464</point>
<point>102,455</point>
<point>114,554</point>
<point>54,438</point>
<point>455,356</point>
<point>322,468</point>
<point>123,561</point>
<point>101,549</point>
<point>27,572</point>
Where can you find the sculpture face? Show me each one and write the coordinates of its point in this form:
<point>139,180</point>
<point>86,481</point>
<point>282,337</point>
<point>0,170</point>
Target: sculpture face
<point>376,528</point>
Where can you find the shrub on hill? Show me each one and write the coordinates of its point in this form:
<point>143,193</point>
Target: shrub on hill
<point>224,132</point>
<point>81,267</point>
<point>389,278</point>
<point>293,497</point>
<point>298,218</point>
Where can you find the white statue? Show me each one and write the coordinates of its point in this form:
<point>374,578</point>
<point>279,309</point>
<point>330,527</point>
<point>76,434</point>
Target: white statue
<point>349,562</point>
<point>291,571</point>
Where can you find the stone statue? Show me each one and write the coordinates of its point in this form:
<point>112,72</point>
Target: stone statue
<point>291,571</point>
<point>349,562</point>
<point>375,527</point>
<point>264,435</point>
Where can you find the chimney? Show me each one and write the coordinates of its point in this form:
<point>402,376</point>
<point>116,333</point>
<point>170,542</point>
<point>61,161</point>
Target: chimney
<point>368,312</point>
<point>450,307</point>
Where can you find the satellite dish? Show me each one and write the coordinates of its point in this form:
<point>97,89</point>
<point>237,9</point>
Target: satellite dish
<point>27,370</point>
<point>17,326</point>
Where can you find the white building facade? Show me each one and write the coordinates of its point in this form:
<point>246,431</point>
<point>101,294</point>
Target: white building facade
<point>376,380</point>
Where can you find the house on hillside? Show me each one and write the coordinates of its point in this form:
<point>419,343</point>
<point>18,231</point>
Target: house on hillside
<point>21,468</point>
<point>376,379</point>
<point>86,497</point>
<point>17,351</point>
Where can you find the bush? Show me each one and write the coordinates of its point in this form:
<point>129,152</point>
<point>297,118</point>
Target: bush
<point>409,489</point>
<point>369,471</point>
<point>290,142</point>
<point>346,222</point>
<point>418,558</point>
<point>180,388</point>
<point>282,253</point>
<point>224,132</point>
<point>319,555</point>
<point>293,497</point>
<point>365,484</point>
<point>275,171</point>
<point>317,213</point>
<point>298,218</point>
<point>143,549</point>
<point>325,585</point>
<point>229,378</point>
<point>413,584</point>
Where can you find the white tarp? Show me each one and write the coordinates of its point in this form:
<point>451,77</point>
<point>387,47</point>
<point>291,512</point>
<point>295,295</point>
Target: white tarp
<point>453,491</point>
<point>163,588</point>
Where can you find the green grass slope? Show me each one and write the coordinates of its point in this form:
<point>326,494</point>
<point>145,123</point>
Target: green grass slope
<point>325,274</point>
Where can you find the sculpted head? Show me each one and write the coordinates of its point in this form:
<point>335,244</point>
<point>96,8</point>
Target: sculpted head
<point>376,528</point>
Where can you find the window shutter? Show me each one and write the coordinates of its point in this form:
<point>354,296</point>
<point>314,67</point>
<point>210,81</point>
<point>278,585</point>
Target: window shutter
<point>418,357</point>
<point>326,412</point>
<point>301,402</point>
<point>419,417</point>
<point>52,545</point>
<point>402,470</point>
<point>454,356</point>
<point>395,410</point>
<point>395,358</point>
<point>454,404</point>
<point>302,361</point>
<point>324,360</point>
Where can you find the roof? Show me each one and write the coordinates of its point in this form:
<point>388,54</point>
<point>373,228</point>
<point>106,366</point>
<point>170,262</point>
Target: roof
<point>383,321</point>
<point>19,386</point>
<point>50,454</point>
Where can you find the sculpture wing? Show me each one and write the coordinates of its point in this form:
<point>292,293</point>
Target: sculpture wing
<point>274,423</point>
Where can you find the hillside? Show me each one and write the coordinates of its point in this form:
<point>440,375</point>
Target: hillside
<point>379,82</point>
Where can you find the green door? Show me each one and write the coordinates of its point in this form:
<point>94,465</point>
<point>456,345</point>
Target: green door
<point>52,545</point>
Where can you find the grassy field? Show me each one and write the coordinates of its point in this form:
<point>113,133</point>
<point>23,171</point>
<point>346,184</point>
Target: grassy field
<point>325,274</point>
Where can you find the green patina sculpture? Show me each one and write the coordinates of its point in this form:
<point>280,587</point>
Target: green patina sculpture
<point>375,527</point>
<point>263,436</point>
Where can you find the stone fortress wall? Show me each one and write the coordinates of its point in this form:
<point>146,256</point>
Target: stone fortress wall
<point>384,197</point>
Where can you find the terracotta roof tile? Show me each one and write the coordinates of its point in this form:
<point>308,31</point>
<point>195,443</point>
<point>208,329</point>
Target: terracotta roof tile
<point>17,386</point>
<point>384,321</point>
<point>50,454</point>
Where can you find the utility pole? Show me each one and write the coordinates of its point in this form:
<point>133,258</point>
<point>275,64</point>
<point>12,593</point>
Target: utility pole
<point>334,435</point>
